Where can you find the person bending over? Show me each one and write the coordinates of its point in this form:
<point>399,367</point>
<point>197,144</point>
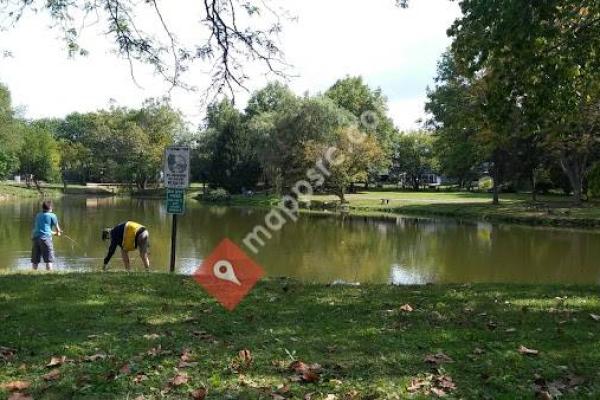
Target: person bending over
<point>129,236</point>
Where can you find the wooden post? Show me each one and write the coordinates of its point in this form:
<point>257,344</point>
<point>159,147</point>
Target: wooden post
<point>173,243</point>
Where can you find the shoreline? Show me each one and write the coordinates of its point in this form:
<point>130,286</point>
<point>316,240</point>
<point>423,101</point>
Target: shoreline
<point>505,213</point>
<point>509,212</point>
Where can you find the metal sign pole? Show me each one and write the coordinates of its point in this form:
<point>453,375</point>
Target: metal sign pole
<point>173,243</point>
<point>177,180</point>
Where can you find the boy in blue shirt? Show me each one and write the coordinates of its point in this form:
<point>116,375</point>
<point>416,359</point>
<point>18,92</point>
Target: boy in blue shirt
<point>42,236</point>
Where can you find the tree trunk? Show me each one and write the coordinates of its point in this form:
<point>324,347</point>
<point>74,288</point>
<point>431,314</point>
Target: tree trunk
<point>574,171</point>
<point>495,176</point>
<point>342,195</point>
<point>37,185</point>
<point>533,186</point>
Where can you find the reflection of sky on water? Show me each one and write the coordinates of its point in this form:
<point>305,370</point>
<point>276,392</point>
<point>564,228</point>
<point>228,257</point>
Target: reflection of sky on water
<point>314,249</point>
<point>400,275</point>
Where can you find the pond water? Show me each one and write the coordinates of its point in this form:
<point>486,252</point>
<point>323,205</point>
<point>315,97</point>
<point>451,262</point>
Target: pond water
<point>315,249</point>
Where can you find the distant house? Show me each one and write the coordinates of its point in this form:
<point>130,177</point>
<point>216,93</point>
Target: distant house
<point>425,180</point>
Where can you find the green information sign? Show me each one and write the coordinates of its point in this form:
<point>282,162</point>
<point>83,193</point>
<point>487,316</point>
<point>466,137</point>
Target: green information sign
<point>175,201</point>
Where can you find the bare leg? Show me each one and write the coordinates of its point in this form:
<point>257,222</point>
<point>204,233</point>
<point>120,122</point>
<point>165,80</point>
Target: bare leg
<point>145,260</point>
<point>125,256</point>
<point>48,266</point>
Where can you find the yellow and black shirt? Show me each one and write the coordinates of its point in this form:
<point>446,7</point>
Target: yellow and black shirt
<point>124,235</point>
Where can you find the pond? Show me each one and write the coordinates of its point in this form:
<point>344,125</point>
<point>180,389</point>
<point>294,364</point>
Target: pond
<point>315,249</point>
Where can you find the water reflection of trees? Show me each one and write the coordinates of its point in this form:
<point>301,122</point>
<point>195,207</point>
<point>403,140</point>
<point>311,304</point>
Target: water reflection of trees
<point>321,249</point>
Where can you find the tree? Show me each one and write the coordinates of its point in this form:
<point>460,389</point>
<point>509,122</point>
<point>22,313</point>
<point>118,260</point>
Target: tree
<point>543,61</point>
<point>236,33</point>
<point>412,157</point>
<point>9,139</point>
<point>315,119</point>
<point>120,144</point>
<point>73,158</point>
<point>351,158</point>
<point>273,98</point>
<point>232,161</point>
<point>454,119</point>
<point>367,105</point>
<point>39,155</point>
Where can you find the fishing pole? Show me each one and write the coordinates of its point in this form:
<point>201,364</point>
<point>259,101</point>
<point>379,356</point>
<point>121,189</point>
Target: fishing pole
<point>68,237</point>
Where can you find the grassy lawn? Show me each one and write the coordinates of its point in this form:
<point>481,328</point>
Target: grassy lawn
<point>8,190</point>
<point>12,190</point>
<point>552,210</point>
<point>160,337</point>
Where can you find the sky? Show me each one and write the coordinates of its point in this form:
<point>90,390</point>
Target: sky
<point>394,49</point>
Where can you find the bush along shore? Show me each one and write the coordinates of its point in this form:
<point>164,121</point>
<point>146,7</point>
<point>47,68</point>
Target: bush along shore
<point>156,336</point>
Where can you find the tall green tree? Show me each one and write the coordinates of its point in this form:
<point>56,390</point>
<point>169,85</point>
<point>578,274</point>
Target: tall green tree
<point>232,161</point>
<point>350,161</point>
<point>316,119</point>
<point>413,155</point>
<point>10,141</point>
<point>39,156</point>
<point>540,60</point>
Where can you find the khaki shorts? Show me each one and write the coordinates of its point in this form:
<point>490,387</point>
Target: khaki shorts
<point>143,242</point>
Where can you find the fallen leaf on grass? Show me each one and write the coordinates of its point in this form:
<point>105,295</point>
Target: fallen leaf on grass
<point>179,379</point>
<point>95,357</point>
<point>52,375</point>
<point>54,361</point>
<point>437,359</point>
<point>406,308</point>
<point>125,369</point>
<point>19,396</point>
<point>7,353</point>
<point>595,317</point>
<point>528,352</point>
<point>438,392</point>
<point>152,336</point>
<point>139,378</point>
<point>440,385</point>
<point>352,395</point>
<point>308,373</point>
<point>478,351</point>
<point>199,394</point>
<point>15,385</point>
<point>242,361</point>
<point>245,356</point>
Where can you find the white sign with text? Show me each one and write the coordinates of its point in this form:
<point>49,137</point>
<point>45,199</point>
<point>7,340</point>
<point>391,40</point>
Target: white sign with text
<point>177,167</point>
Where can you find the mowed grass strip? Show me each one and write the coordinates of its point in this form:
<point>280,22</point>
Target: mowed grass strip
<point>157,336</point>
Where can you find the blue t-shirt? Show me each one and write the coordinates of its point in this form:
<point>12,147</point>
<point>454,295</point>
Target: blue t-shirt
<point>44,222</point>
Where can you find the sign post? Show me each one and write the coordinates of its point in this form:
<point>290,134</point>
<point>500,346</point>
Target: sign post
<point>177,180</point>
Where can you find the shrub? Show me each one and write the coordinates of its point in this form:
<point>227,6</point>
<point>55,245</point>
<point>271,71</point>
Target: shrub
<point>217,196</point>
<point>485,183</point>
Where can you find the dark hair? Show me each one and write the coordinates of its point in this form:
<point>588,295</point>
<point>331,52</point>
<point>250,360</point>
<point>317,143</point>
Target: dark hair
<point>47,205</point>
<point>105,234</point>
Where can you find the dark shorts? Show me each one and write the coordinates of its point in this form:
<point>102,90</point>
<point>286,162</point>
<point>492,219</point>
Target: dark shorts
<point>42,248</point>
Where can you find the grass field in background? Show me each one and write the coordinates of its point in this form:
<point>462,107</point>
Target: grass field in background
<point>550,210</point>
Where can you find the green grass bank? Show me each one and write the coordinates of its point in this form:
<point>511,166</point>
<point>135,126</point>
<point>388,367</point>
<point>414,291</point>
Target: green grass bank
<point>551,210</point>
<point>156,336</point>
